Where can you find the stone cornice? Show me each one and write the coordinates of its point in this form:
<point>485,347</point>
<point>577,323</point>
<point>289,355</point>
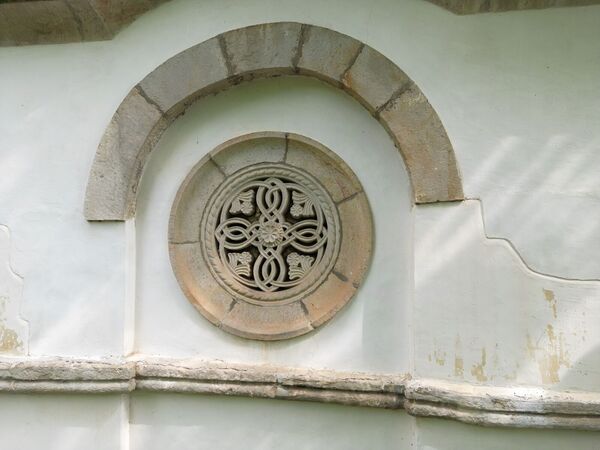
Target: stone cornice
<point>488,6</point>
<point>506,406</point>
<point>25,22</point>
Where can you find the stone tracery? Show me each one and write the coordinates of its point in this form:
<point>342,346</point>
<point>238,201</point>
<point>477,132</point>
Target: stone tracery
<point>270,244</point>
<point>271,232</point>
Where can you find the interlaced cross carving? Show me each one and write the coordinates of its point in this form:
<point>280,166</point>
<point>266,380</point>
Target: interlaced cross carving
<point>271,233</point>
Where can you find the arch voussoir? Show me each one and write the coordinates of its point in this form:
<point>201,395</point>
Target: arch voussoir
<point>269,50</point>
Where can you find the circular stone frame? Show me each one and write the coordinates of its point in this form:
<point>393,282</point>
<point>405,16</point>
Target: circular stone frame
<point>261,317</point>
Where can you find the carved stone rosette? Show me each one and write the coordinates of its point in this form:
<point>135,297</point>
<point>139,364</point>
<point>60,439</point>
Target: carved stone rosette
<point>270,235</point>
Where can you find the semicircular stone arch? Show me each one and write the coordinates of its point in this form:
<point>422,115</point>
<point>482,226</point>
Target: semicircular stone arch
<point>262,51</point>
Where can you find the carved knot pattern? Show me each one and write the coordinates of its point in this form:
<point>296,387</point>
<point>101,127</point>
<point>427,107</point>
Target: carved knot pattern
<point>271,230</point>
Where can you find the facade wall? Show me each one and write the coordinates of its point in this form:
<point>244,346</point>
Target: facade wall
<point>501,289</point>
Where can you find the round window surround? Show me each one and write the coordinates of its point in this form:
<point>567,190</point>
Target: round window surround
<point>270,235</point>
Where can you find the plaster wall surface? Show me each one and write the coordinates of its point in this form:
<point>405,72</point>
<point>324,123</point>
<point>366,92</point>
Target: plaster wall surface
<point>482,316</point>
<point>517,93</point>
<point>517,106</point>
<point>173,421</point>
<point>61,422</point>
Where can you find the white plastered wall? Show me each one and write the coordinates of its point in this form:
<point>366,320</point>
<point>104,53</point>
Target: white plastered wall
<point>517,93</point>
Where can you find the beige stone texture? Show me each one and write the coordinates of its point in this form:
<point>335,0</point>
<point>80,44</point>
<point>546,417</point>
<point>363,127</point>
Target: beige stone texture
<point>186,76</point>
<point>262,48</point>
<point>333,173</point>
<point>506,406</point>
<point>425,146</point>
<point>118,164</point>
<point>267,322</point>
<point>326,53</point>
<point>191,200</point>
<point>198,284</point>
<point>357,239</point>
<point>242,152</point>
<point>374,79</point>
<point>332,296</point>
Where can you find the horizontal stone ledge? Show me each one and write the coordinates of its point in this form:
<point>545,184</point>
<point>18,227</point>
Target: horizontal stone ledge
<point>463,7</point>
<point>505,406</point>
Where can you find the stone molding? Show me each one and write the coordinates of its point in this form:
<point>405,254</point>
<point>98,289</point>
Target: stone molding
<point>25,22</point>
<point>264,51</point>
<point>463,7</point>
<point>315,212</point>
<point>503,406</point>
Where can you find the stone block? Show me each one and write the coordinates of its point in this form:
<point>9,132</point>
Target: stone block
<point>334,293</point>
<point>328,168</point>
<point>197,283</point>
<point>326,53</point>
<point>191,201</point>
<point>135,127</point>
<point>186,76</point>
<point>357,239</point>
<point>268,48</point>
<point>425,146</point>
<point>374,79</point>
<point>26,23</point>
<point>262,148</point>
<point>267,323</point>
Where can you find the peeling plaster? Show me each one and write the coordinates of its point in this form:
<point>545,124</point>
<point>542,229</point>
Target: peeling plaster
<point>458,359</point>
<point>478,370</point>
<point>14,330</point>
<point>551,299</point>
<point>550,354</point>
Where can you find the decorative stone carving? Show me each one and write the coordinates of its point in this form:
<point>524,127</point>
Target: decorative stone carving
<point>261,240</point>
<point>270,233</point>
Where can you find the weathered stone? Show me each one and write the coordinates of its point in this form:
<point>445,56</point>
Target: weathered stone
<point>374,79</point>
<point>119,13</point>
<point>186,76</point>
<point>266,323</point>
<point>29,23</point>
<point>326,53</point>
<point>270,50</point>
<point>484,6</point>
<point>57,22</point>
<point>335,292</point>
<point>357,239</point>
<point>331,171</point>
<point>197,283</point>
<point>243,152</point>
<point>258,235</point>
<point>90,24</point>
<point>185,221</point>
<point>65,369</point>
<point>424,144</point>
<point>507,406</point>
<point>134,129</point>
<point>267,48</point>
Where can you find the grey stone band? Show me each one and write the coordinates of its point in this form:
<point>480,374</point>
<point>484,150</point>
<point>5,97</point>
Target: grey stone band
<point>25,22</point>
<point>514,406</point>
<point>264,51</point>
<point>489,6</point>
